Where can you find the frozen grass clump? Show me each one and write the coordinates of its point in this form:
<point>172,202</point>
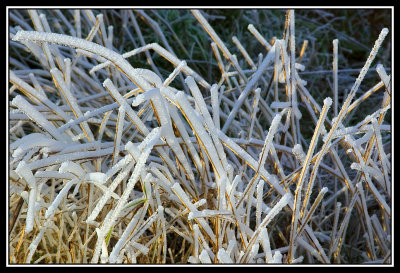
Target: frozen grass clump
<point>113,159</point>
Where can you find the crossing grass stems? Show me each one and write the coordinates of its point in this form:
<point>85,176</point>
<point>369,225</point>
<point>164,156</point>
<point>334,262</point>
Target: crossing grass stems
<point>111,163</point>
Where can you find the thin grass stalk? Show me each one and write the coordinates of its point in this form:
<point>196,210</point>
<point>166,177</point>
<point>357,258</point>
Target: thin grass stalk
<point>297,199</point>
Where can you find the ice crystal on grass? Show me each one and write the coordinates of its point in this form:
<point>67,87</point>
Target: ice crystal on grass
<point>116,161</point>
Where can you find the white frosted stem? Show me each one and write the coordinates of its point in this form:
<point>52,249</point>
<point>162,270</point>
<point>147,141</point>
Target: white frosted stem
<point>223,257</point>
<point>204,258</point>
<point>207,213</point>
<point>30,214</point>
<point>106,53</point>
<point>259,37</point>
<point>249,86</point>
<point>185,200</point>
<point>150,141</point>
<point>165,120</point>
<point>266,245</point>
<point>382,156</point>
<point>37,117</point>
<point>378,196</point>
<point>243,51</point>
<point>118,134</point>
<point>38,25</point>
<point>260,191</point>
<point>267,219</point>
<point>129,111</point>
<point>317,132</point>
<point>106,196</point>
<point>301,179</point>
<point>255,109</point>
<point>277,258</point>
<point>207,118</point>
<point>35,82</point>
<point>185,136</point>
<point>201,133</point>
<point>253,163</point>
<point>174,73</point>
<point>269,138</point>
<point>123,239</point>
<point>196,231</point>
<point>35,242</point>
<point>263,154</point>
<point>299,154</point>
<point>72,167</point>
<point>215,105</point>
<point>52,208</point>
<point>71,101</point>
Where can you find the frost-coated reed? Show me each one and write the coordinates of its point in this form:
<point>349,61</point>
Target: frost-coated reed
<point>111,163</point>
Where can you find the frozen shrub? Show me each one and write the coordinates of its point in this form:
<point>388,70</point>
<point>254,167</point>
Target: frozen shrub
<point>110,162</point>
